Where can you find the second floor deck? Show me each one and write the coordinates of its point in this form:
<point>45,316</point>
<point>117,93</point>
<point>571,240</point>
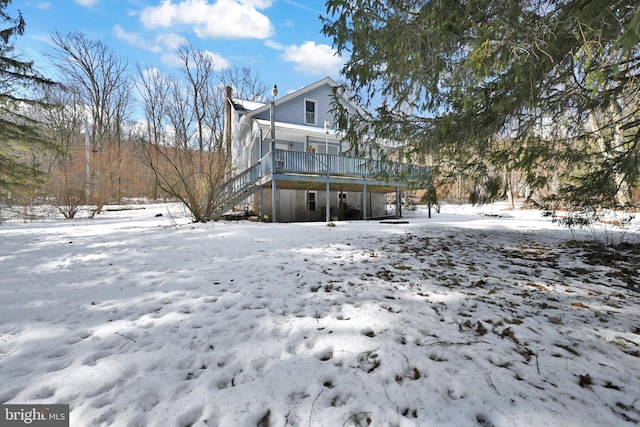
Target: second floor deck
<point>289,169</point>
<point>313,167</point>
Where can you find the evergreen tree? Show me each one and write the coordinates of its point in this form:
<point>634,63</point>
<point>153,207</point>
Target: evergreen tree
<point>549,88</point>
<point>19,129</point>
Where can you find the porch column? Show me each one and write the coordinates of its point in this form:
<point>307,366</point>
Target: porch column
<point>261,183</point>
<point>326,153</point>
<point>274,93</point>
<point>227,131</point>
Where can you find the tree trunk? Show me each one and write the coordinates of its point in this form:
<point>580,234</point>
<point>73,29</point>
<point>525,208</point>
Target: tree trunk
<point>609,149</point>
<point>508,184</point>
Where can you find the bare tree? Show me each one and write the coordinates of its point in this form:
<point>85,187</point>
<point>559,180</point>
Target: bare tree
<point>245,84</point>
<point>104,82</point>
<point>65,119</point>
<point>183,145</point>
<point>66,176</point>
<point>153,87</point>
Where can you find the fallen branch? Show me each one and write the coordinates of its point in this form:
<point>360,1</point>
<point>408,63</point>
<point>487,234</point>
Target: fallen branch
<point>312,405</point>
<point>493,386</point>
<point>125,336</point>
<point>357,415</point>
<point>449,343</point>
<point>538,360</point>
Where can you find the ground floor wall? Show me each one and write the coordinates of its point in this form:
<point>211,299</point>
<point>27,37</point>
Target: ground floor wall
<point>310,205</point>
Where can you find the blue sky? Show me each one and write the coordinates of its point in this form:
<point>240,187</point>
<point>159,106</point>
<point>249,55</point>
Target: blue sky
<point>279,39</point>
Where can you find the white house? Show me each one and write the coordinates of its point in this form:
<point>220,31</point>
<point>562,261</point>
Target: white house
<point>290,164</point>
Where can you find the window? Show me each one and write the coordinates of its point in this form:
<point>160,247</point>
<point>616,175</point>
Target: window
<point>312,201</point>
<point>310,108</point>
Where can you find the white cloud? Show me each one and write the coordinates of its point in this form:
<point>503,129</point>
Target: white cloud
<point>159,16</point>
<point>168,43</point>
<point>170,40</point>
<point>173,59</point>
<point>274,45</point>
<point>134,39</point>
<point>150,73</point>
<point>86,2</point>
<point>221,19</point>
<point>219,63</point>
<point>313,59</point>
<point>163,42</point>
<point>43,5</point>
<point>260,4</point>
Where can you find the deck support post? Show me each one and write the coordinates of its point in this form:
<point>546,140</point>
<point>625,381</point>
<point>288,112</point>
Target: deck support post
<point>364,199</point>
<point>327,215</point>
<point>274,93</point>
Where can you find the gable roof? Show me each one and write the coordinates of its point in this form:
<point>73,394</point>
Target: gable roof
<point>252,108</point>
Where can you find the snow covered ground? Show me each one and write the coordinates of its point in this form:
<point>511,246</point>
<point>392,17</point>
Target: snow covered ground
<point>475,317</point>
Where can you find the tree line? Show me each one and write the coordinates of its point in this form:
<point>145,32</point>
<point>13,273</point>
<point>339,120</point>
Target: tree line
<point>538,98</point>
<point>106,130</point>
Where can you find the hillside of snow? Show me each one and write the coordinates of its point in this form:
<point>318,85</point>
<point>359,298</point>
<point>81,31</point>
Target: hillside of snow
<point>474,317</point>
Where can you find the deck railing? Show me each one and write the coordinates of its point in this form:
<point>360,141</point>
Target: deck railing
<point>240,183</point>
<point>248,181</point>
<point>321,164</point>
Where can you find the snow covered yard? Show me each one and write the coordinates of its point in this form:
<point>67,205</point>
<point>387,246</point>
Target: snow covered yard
<point>459,320</point>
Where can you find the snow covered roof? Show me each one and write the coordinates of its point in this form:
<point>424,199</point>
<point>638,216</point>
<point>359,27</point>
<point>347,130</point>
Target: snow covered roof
<point>244,105</point>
